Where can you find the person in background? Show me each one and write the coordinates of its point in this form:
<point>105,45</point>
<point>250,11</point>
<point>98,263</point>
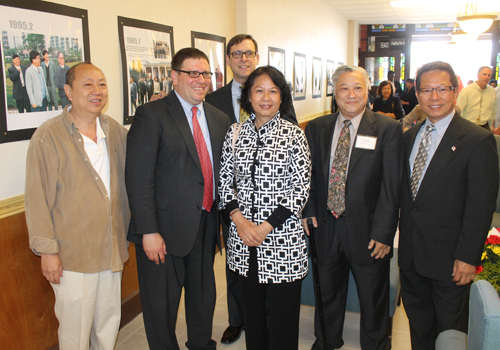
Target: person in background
<point>17,74</point>
<point>409,98</point>
<point>60,79</point>
<point>478,101</point>
<point>493,83</point>
<point>450,185</point>
<point>387,103</point>
<point>49,71</point>
<point>77,211</point>
<point>269,167</point>
<point>35,84</point>
<point>133,96</point>
<point>397,85</point>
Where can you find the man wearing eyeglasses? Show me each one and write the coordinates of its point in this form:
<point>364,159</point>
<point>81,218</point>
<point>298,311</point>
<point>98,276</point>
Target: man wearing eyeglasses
<point>242,57</point>
<point>172,170</point>
<point>478,101</point>
<point>450,185</point>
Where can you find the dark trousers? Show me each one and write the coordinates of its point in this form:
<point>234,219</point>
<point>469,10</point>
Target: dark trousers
<point>41,108</point>
<point>23,103</point>
<point>280,330</point>
<point>335,258</point>
<point>234,300</point>
<point>432,307</point>
<point>486,127</point>
<point>161,287</point>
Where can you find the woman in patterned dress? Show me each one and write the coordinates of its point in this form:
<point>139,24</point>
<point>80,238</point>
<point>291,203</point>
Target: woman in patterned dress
<point>265,184</point>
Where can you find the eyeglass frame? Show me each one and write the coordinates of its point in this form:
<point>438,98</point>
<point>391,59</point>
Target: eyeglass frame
<point>442,92</point>
<point>254,53</point>
<point>190,73</point>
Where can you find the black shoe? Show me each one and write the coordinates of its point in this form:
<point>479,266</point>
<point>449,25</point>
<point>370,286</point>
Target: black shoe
<point>231,334</point>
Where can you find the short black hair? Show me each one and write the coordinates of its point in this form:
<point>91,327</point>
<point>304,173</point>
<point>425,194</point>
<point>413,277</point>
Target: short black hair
<point>278,80</point>
<point>390,72</point>
<point>44,52</point>
<point>410,80</point>
<point>235,40</point>
<point>15,56</point>
<point>437,65</point>
<point>186,53</point>
<point>60,53</point>
<point>381,86</point>
<point>33,55</point>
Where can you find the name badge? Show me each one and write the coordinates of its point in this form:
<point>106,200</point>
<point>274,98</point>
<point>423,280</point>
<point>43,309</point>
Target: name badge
<point>366,142</point>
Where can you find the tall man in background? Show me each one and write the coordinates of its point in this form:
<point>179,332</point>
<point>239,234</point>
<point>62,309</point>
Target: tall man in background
<point>478,101</point>
<point>17,74</point>
<point>354,205</point>
<point>450,185</point>
<point>173,152</point>
<point>60,79</point>
<point>50,71</point>
<point>35,84</point>
<point>242,57</point>
<point>77,211</point>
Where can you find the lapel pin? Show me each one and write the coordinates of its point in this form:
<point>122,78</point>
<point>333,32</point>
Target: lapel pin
<point>453,148</point>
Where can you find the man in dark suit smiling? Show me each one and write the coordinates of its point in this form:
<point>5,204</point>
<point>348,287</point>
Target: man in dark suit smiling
<point>354,204</point>
<point>450,185</point>
<point>173,152</point>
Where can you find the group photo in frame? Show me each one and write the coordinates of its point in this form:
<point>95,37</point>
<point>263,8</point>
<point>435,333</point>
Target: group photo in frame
<point>299,76</point>
<point>59,35</point>
<point>214,47</point>
<point>146,50</point>
<point>276,59</point>
<point>317,77</point>
<point>330,69</point>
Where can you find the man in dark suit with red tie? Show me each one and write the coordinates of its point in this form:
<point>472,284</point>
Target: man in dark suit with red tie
<point>17,74</point>
<point>172,170</point>
<point>354,204</point>
<point>450,185</point>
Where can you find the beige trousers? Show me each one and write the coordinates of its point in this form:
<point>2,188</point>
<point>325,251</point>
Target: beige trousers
<point>88,308</point>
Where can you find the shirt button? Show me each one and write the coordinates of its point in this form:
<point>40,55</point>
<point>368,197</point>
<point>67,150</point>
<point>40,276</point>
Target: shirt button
<point>97,178</point>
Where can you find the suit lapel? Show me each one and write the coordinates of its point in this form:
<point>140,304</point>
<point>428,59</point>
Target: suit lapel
<point>175,109</point>
<point>366,128</point>
<point>326,144</point>
<point>444,153</point>
<point>216,138</point>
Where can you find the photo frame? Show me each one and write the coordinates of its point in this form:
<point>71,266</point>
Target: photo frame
<point>276,59</point>
<point>299,76</point>
<point>317,77</point>
<point>214,47</point>
<point>63,32</point>
<point>330,69</point>
<point>146,50</point>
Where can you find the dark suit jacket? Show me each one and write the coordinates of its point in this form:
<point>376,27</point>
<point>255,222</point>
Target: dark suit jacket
<point>411,97</point>
<point>223,100</point>
<point>452,212</point>
<point>373,185</point>
<point>392,105</point>
<point>17,86</point>
<point>163,172</point>
<point>60,78</point>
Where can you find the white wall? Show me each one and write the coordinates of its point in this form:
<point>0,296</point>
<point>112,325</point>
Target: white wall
<point>310,27</point>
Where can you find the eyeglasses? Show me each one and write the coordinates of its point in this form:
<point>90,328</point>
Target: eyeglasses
<point>442,90</point>
<point>239,54</point>
<point>196,74</point>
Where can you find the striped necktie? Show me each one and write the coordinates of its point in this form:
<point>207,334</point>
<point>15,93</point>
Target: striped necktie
<point>421,160</point>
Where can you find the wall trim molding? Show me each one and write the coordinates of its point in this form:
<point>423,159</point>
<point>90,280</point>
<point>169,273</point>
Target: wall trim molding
<point>11,206</point>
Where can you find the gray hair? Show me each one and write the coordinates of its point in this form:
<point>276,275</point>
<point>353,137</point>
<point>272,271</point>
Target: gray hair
<point>347,69</point>
<point>483,67</point>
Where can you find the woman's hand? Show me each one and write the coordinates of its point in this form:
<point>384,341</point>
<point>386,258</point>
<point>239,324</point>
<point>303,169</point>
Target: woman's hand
<point>264,229</point>
<point>247,230</point>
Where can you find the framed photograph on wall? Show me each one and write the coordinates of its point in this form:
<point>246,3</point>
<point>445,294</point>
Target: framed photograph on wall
<point>146,49</point>
<point>330,69</point>
<point>214,47</point>
<point>299,76</point>
<point>277,59</point>
<point>317,77</point>
<point>62,34</point>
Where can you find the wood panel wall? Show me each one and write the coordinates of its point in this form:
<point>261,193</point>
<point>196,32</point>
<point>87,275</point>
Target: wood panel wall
<point>27,319</point>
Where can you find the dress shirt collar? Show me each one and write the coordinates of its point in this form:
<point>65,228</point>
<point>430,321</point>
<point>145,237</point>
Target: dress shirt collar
<point>441,125</point>
<point>236,88</point>
<point>355,121</point>
<point>187,107</point>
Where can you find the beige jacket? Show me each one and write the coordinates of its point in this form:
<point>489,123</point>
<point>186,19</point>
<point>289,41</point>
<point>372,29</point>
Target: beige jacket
<point>67,206</point>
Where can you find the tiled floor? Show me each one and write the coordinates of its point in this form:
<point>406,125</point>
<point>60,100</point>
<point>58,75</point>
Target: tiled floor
<point>133,336</point>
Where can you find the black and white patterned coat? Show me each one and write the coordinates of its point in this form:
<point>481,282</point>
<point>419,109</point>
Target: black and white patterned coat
<point>273,167</point>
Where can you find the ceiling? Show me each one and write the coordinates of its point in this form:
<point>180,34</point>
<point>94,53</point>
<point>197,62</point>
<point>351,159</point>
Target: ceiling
<point>422,11</point>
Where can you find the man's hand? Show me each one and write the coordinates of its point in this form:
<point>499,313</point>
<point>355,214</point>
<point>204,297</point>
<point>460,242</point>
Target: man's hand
<point>52,268</point>
<point>247,230</point>
<point>154,247</point>
<point>463,273</point>
<point>33,105</point>
<point>380,250</point>
<point>306,228</point>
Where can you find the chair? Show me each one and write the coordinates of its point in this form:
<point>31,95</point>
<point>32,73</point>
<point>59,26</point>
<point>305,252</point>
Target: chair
<point>484,317</point>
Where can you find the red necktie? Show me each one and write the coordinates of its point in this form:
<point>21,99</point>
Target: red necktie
<point>206,164</point>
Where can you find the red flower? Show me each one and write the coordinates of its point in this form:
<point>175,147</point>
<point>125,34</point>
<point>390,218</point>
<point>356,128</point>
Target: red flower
<point>493,239</point>
<point>479,269</point>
